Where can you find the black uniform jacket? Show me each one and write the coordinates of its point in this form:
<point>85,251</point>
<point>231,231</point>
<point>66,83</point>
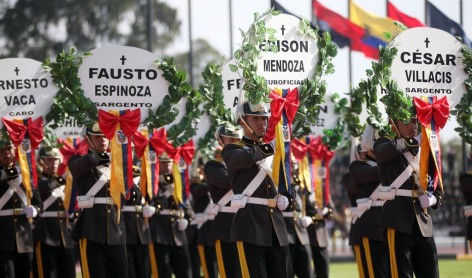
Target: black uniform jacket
<point>366,178</point>
<point>401,212</point>
<point>98,223</point>
<point>352,193</point>
<point>218,185</point>
<point>254,223</point>
<point>466,184</point>
<point>164,228</point>
<point>53,230</point>
<point>16,229</point>
<point>201,199</point>
<point>137,227</point>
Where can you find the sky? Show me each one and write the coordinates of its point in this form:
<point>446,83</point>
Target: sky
<point>210,21</point>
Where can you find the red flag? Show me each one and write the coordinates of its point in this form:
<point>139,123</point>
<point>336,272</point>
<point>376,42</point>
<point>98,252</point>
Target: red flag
<point>397,15</point>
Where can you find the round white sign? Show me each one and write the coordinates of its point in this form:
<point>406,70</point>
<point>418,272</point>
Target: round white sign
<point>26,90</point>
<point>295,59</point>
<point>232,84</point>
<point>123,77</point>
<point>202,128</point>
<point>429,63</point>
<point>327,119</point>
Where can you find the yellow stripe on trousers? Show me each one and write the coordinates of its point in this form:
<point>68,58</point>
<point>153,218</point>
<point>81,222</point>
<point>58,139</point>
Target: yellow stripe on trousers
<point>242,259</point>
<point>219,258</point>
<point>391,248</point>
<point>368,256</point>
<point>201,254</point>
<point>39,260</point>
<point>83,257</point>
<point>152,257</point>
<point>360,267</point>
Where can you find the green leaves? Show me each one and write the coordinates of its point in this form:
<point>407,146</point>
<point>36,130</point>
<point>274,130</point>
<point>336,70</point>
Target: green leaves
<point>70,100</point>
<point>463,109</point>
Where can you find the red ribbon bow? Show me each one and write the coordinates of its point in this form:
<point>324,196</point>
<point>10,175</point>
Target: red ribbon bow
<point>289,104</point>
<point>158,142</point>
<point>438,111</point>
<point>315,148</point>
<point>299,149</point>
<point>17,131</point>
<point>129,122</point>
<point>186,151</point>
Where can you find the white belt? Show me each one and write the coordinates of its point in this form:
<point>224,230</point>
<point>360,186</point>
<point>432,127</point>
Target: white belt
<point>103,201</point>
<point>263,201</point>
<point>378,203</point>
<point>168,212</point>
<point>407,193</point>
<point>287,213</point>
<point>132,209</point>
<point>227,209</point>
<point>9,212</point>
<point>58,214</point>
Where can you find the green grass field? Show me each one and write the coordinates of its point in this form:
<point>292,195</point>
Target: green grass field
<point>447,268</point>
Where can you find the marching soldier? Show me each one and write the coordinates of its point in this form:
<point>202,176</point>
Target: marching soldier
<point>466,184</point>
<point>365,176</point>
<point>99,229</point>
<point>54,246</point>
<point>405,215</point>
<point>258,226</point>
<point>16,208</point>
<point>138,234</point>
<point>220,190</point>
<point>168,227</point>
<point>299,241</point>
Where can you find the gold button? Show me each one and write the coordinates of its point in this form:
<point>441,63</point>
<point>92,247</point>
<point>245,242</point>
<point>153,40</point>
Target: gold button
<point>271,210</point>
<point>108,211</point>
<point>137,214</point>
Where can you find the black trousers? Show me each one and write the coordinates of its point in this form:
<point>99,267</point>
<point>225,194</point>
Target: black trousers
<point>14,264</point>
<point>138,261</point>
<point>412,253</point>
<point>208,261</point>
<point>102,260</point>
<point>172,259</point>
<point>301,260</point>
<point>55,261</point>
<point>375,257</point>
<point>264,262</point>
<point>320,261</point>
<point>227,254</point>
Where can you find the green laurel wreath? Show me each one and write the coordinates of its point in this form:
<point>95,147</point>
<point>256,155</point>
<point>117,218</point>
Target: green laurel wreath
<point>255,87</point>
<point>212,92</point>
<point>180,133</point>
<point>70,100</point>
<point>463,110</point>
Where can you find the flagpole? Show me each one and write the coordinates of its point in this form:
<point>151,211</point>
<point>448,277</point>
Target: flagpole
<point>350,51</point>
<point>426,13</point>
<point>190,52</point>
<point>230,29</point>
<point>148,25</point>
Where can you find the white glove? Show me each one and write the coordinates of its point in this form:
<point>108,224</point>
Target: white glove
<point>148,211</point>
<point>468,211</point>
<point>282,202</point>
<point>182,224</point>
<point>305,221</point>
<point>427,200</point>
<point>265,166</point>
<point>30,212</point>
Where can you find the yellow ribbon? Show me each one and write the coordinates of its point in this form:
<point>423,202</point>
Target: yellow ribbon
<point>177,182</point>
<point>117,182</point>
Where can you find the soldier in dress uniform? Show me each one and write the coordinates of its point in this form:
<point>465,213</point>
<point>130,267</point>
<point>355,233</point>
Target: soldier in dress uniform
<point>168,227</point>
<point>16,210</point>
<point>54,245</point>
<point>204,214</point>
<point>366,178</point>
<point>405,214</point>
<point>220,190</point>
<point>138,234</point>
<point>466,184</point>
<point>99,229</point>
<point>297,222</point>
<point>258,226</point>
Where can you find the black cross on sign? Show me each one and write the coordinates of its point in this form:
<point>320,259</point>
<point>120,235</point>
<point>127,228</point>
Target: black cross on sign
<point>283,29</point>
<point>123,59</point>
<point>16,70</point>
<point>427,42</point>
